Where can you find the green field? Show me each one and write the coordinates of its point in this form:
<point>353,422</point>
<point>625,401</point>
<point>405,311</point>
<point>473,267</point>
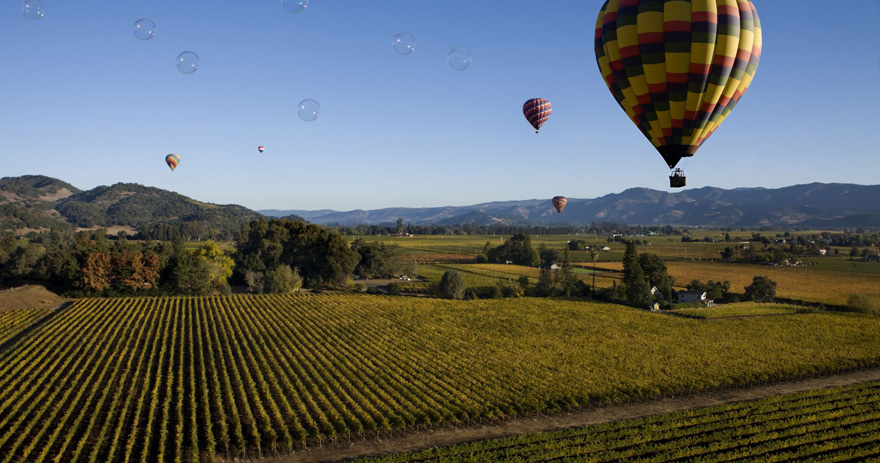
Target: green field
<point>741,309</point>
<point>829,425</point>
<point>190,378</point>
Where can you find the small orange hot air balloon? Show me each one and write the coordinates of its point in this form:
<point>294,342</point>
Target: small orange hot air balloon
<point>559,203</point>
<point>172,160</point>
<point>261,148</point>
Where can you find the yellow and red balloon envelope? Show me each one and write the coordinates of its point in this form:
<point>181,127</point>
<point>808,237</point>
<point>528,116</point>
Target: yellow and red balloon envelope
<point>678,67</point>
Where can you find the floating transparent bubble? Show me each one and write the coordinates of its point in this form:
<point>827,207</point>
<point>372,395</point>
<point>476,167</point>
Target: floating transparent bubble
<point>308,110</point>
<point>144,29</point>
<point>295,6</point>
<point>459,58</point>
<point>187,62</point>
<point>32,9</point>
<point>404,43</point>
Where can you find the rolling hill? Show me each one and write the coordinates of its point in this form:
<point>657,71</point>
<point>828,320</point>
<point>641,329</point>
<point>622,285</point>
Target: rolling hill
<point>36,201</point>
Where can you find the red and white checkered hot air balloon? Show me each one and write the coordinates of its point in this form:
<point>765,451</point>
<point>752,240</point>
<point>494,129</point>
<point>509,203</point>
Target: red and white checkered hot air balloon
<point>261,148</point>
<point>537,111</point>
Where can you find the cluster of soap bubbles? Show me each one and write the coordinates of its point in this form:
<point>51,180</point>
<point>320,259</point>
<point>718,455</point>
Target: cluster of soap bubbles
<point>145,29</point>
<point>459,58</point>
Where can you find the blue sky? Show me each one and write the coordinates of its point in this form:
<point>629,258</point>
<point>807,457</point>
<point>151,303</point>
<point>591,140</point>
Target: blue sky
<point>83,100</point>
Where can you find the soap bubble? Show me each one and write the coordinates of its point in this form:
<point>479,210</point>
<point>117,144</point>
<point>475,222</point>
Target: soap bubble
<point>144,29</point>
<point>308,110</point>
<point>295,6</point>
<point>32,9</point>
<point>404,43</point>
<point>459,58</point>
<point>187,62</point>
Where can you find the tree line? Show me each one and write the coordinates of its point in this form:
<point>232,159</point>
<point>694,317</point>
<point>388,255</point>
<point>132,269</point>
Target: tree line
<point>268,256</point>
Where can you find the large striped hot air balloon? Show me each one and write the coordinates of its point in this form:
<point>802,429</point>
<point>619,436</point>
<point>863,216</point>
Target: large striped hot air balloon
<point>537,111</point>
<point>559,203</point>
<point>172,160</point>
<point>678,67</point>
<point>261,148</point>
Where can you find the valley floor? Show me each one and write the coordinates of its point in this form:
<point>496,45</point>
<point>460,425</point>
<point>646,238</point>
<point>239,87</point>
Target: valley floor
<point>539,423</point>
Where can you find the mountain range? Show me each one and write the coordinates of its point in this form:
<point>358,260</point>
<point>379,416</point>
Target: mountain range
<point>815,205</point>
<point>36,201</point>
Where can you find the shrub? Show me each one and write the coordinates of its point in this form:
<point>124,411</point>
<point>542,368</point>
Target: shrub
<point>862,304</point>
<point>282,280</point>
<point>495,292</point>
<point>452,285</point>
<point>395,289</point>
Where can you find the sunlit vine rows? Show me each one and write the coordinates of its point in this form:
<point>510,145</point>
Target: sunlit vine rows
<point>193,378</point>
<point>837,424</point>
<point>14,321</point>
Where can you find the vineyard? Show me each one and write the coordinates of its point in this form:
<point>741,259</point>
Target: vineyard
<point>835,424</point>
<point>14,321</point>
<point>199,378</point>
<point>740,309</point>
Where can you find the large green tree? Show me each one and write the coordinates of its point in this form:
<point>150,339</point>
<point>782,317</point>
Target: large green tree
<point>637,287</point>
<point>320,254</point>
<point>191,275</point>
<point>452,285</point>
<point>762,289</point>
<point>377,260</point>
<point>517,249</point>
<point>657,275</point>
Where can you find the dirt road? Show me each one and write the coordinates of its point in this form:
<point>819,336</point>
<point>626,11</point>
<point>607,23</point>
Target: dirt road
<point>449,436</point>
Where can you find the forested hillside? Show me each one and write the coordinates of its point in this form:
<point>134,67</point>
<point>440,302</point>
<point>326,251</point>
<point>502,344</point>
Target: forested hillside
<point>38,202</point>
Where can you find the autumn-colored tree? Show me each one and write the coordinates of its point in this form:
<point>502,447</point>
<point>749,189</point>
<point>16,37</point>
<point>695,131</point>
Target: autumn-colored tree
<point>136,272</point>
<point>219,264</point>
<point>96,271</point>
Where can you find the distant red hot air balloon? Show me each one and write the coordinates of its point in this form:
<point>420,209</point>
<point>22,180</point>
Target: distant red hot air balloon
<point>559,203</point>
<point>261,148</point>
<point>537,111</point>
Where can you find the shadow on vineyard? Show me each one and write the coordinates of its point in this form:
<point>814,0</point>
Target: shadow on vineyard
<point>40,321</point>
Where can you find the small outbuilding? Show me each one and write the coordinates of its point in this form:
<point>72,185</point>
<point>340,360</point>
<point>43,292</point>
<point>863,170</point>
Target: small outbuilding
<point>691,296</point>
